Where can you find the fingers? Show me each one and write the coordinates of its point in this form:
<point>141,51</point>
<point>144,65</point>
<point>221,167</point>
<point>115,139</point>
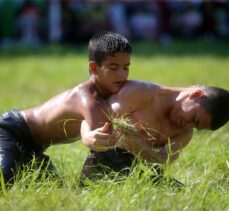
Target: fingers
<point>104,144</point>
<point>104,128</point>
<point>100,139</point>
<point>100,135</point>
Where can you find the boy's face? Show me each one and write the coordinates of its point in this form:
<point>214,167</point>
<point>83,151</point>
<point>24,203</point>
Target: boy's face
<point>113,72</point>
<point>191,114</point>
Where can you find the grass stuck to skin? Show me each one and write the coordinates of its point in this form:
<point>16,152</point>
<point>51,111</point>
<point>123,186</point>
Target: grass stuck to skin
<point>128,132</point>
<point>122,127</point>
<point>28,79</point>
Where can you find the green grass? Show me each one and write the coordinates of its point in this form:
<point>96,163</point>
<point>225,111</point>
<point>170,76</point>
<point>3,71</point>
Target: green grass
<point>29,77</point>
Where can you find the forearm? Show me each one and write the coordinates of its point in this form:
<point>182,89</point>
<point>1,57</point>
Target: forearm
<point>159,155</point>
<point>164,154</point>
<point>171,151</point>
<point>146,152</point>
<point>85,131</point>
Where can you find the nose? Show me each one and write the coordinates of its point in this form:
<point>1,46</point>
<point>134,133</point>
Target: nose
<point>122,73</point>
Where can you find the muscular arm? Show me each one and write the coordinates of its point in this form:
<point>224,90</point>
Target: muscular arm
<point>164,154</point>
<point>94,133</point>
<point>95,113</point>
<point>95,130</point>
<point>171,151</point>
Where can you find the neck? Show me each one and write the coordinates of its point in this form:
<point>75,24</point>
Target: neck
<point>169,97</point>
<point>102,92</point>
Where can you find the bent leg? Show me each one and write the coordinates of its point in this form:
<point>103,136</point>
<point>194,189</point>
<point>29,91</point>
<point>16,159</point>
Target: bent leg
<point>99,164</point>
<point>9,155</point>
<point>45,166</point>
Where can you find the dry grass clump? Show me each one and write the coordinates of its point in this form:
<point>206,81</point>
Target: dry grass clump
<point>125,131</point>
<point>123,128</point>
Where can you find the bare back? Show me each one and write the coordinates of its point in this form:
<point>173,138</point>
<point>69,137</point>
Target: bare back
<point>58,120</point>
<point>146,106</point>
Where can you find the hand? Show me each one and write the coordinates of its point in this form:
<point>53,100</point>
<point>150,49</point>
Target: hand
<point>99,139</point>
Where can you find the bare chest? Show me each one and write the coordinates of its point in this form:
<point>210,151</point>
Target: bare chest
<point>153,128</point>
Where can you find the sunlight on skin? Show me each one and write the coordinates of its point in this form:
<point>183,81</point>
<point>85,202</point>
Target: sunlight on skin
<point>27,85</point>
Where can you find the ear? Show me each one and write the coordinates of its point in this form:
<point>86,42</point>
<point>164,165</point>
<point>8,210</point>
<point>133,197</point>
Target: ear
<point>92,67</point>
<point>196,93</point>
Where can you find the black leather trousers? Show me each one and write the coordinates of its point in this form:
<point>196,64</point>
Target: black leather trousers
<point>17,146</point>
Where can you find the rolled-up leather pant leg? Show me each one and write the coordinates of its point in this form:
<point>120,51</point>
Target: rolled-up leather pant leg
<point>9,154</point>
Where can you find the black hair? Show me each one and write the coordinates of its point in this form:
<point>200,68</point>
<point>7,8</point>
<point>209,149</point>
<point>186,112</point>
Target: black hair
<point>216,103</point>
<point>105,44</point>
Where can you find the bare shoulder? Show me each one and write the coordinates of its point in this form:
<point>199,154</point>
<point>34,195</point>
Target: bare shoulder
<point>133,95</point>
<point>91,105</point>
<point>82,93</point>
<point>134,86</point>
<point>72,99</point>
<point>138,89</point>
<point>88,96</point>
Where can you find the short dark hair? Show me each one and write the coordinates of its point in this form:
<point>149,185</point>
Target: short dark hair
<point>105,44</point>
<point>216,103</point>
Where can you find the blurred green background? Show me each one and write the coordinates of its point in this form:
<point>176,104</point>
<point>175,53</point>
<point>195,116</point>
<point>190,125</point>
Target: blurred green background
<point>28,77</point>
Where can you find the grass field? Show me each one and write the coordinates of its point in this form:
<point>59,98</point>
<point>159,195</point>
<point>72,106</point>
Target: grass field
<point>29,77</point>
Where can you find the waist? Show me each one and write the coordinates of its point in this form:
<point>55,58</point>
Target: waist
<point>14,122</point>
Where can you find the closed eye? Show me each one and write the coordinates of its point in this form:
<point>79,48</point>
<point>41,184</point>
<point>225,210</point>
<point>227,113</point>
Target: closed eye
<point>113,67</point>
<point>126,67</point>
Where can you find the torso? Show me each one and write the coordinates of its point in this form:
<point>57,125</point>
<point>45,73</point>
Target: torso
<point>153,125</point>
<point>59,119</point>
<point>150,118</point>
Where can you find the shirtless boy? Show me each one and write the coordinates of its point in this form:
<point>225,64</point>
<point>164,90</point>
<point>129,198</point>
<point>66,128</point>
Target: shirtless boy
<point>27,133</point>
<point>162,116</point>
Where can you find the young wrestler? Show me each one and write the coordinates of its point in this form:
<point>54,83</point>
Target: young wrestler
<point>26,133</point>
<point>164,117</point>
